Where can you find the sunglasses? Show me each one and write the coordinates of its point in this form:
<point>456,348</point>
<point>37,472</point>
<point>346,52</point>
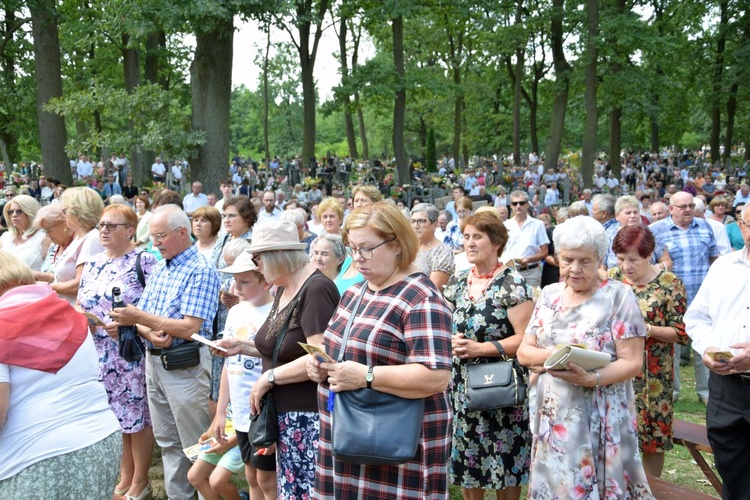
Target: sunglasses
<point>518,203</point>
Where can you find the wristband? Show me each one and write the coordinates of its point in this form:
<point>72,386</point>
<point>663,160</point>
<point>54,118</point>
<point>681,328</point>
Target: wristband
<point>598,379</point>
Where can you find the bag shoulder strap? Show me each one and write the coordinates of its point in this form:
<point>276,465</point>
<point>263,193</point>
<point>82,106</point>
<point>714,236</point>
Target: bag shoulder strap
<point>345,335</point>
<point>285,327</point>
<point>139,270</point>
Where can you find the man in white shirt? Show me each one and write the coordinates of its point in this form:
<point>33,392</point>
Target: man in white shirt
<point>269,211</point>
<point>718,320</point>
<point>177,174</point>
<point>84,168</point>
<point>444,218</point>
<point>280,203</point>
<point>527,240</point>
<point>158,170</point>
<point>193,201</point>
<point>719,229</point>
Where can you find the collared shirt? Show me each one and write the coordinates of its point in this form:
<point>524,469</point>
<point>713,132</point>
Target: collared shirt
<point>453,236</point>
<point>720,313</point>
<point>690,250</point>
<point>265,215</point>
<point>191,203</point>
<point>185,285</point>
<point>524,241</point>
<point>611,227</point>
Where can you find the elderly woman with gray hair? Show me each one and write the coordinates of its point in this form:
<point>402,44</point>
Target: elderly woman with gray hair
<point>327,253</point>
<point>585,440</point>
<point>434,258</point>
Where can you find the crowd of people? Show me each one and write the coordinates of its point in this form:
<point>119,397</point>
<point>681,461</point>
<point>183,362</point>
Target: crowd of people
<point>403,298</point>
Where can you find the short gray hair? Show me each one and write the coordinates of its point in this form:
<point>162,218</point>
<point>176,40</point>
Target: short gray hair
<point>431,210</point>
<point>581,232</point>
<point>235,247</point>
<point>517,193</point>
<point>447,214</point>
<point>700,207</point>
<point>626,201</point>
<point>605,202</point>
<point>336,241</point>
<point>294,215</point>
<point>578,208</point>
<point>175,216</point>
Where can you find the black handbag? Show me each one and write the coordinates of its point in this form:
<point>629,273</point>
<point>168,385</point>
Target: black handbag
<point>185,355</point>
<point>264,425</point>
<point>370,427</point>
<point>494,385</point>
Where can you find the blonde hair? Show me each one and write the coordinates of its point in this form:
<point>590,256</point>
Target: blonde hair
<point>235,247</point>
<point>84,204</point>
<point>368,190</point>
<point>280,262</point>
<point>13,272</point>
<point>330,203</point>
<point>27,205</point>
<point>389,223</point>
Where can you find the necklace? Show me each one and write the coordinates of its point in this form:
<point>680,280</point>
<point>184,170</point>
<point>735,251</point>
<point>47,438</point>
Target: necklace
<point>487,277</point>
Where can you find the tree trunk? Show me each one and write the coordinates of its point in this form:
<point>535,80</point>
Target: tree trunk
<point>655,122</point>
<point>731,112</point>
<point>132,70</point>
<point>457,110</point>
<point>8,138</point>
<point>615,135</point>
<point>562,76</point>
<point>533,110</point>
<point>211,80</point>
<point>588,155</point>
<point>362,131</point>
<point>717,83</point>
<point>399,104</point>
<point>517,90</point>
<point>348,121</point>
<point>266,96</point>
<point>52,134</point>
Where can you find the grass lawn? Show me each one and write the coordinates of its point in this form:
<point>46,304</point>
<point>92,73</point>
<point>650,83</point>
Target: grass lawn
<point>679,466</point>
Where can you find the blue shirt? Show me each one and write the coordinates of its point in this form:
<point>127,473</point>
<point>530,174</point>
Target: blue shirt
<point>186,285</point>
<point>690,250</point>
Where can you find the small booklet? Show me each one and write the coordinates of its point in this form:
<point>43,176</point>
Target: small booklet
<point>585,358</point>
<point>317,353</point>
<point>93,320</point>
<point>721,356</point>
<point>204,340</point>
<point>192,452</point>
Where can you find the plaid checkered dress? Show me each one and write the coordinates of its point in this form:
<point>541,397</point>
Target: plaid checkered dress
<point>408,322</point>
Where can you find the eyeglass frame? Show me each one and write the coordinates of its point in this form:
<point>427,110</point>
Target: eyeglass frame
<point>682,208</point>
<point>16,211</point>
<point>108,225</point>
<point>419,222</point>
<point>358,251</point>
<point>160,236</point>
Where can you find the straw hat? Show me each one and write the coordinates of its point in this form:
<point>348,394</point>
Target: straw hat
<point>275,235</point>
<point>242,264</point>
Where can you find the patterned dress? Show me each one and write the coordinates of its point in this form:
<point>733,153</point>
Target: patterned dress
<point>585,442</point>
<point>439,258</point>
<point>407,322</point>
<point>125,382</point>
<point>490,449</point>
<point>662,303</point>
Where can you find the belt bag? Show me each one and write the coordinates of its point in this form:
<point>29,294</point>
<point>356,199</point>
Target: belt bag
<point>495,385</point>
<point>374,428</point>
<point>179,357</point>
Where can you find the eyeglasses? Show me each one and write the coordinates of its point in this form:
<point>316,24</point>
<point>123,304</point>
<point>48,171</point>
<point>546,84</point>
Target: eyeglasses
<point>15,212</point>
<point>229,216</point>
<point>110,226</point>
<point>65,211</point>
<point>256,260</point>
<point>9,196</point>
<point>464,212</point>
<point>744,223</point>
<point>160,236</point>
<point>518,203</point>
<point>419,222</point>
<point>684,207</point>
<point>366,253</point>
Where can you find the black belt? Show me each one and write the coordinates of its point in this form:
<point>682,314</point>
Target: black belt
<point>742,378</point>
<point>154,351</point>
<point>526,268</point>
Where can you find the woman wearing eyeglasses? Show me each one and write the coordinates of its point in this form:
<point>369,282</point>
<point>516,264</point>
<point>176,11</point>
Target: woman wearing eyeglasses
<point>454,237</point>
<point>83,209</point>
<point>22,239</point>
<point>434,258</point>
<point>124,381</point>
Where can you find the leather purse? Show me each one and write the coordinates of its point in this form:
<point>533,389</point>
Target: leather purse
<point>185,355</point>
<point>494,385</point>
<point>364,421</point>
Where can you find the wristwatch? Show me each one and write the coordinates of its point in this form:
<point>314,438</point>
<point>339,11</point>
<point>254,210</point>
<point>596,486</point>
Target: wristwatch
<point>370,376</point>
<point>271,378</point>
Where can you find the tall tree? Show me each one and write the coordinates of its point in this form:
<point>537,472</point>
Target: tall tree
<point>399,103</point>
<point>211,81</point>
<point>717,81</point>
<point>591,119</point>
<point>351,140</point>
<point>52,133</point>
<point>561,87</point>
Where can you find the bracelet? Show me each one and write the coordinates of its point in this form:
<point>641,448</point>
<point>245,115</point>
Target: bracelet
<point>598,379</point>
<point>649,326</point>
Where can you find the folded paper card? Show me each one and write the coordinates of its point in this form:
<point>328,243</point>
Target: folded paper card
<point>585,358</point>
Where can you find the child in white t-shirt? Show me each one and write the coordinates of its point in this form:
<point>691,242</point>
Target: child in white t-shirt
<point>242,371</point>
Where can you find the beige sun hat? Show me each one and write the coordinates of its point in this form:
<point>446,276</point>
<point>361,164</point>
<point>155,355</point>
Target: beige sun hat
<point>242,264</point>
<point>275,235</point>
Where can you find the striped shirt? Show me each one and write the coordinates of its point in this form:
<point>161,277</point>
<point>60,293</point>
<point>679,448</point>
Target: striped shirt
<point>690,250</point>
<point>185,285</point>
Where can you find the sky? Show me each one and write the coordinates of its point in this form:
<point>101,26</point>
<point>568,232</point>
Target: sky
<point>248,41</point>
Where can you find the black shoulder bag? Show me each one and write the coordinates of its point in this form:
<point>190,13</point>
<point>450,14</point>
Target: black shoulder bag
<point>364,421</point>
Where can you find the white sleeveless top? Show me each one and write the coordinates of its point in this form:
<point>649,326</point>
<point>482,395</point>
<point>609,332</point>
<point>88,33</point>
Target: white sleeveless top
<point>29,252</point>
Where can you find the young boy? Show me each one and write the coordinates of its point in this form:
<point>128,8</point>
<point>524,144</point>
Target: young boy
<point>241,372</point>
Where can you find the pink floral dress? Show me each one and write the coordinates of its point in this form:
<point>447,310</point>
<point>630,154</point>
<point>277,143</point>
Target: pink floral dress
<point>585,442</point>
